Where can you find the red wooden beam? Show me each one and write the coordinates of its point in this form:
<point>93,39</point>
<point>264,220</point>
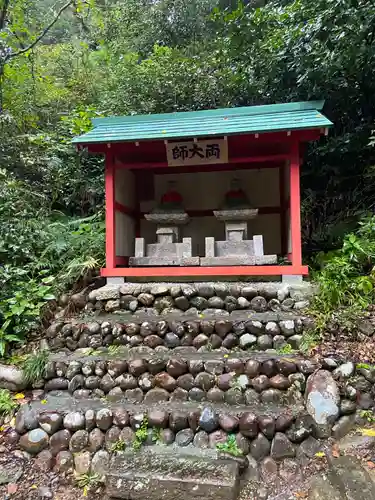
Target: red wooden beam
<point>283,212</point>
<point>122,261</point>
<point>295,207</point>
<point>204,271</point>
<point>213,168</point>
<point>209,168</point>
<point>295,135</point>
<point>210,212</point>
<point>125,209</point>
<point>110,235</point>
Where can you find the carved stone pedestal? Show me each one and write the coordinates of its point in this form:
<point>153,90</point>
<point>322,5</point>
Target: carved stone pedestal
<point>236,250</point>
<point>168,251</point>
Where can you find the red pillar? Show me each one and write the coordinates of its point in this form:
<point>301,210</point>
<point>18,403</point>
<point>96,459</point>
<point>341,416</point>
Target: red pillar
<point>295,207</point>
<point>283,213</point>
<point>110,234</point>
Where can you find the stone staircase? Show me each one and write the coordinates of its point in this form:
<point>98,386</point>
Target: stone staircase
<point>181,404</point>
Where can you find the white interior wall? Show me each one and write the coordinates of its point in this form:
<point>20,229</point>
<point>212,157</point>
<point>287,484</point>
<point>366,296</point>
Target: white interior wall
<point>206,190</point>
<point>125,227</point>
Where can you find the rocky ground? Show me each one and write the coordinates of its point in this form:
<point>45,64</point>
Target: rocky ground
<point>26,478</point>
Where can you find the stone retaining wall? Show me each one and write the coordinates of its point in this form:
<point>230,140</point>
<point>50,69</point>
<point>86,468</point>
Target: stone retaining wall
<point>327,399</point>
<point>169,297</point>
<point>334,402</point>
<point>263,331</point>
<point>153,379</point>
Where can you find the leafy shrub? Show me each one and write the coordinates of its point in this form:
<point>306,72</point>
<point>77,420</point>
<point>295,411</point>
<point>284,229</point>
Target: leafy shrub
<point>43,252</point>
<point>34,367</point>
<point>346,276</point>
<point>7,404</point>
<point>230,446</point>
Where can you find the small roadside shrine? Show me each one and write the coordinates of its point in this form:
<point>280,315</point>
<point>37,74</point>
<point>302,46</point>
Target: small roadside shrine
<point>205,193</point>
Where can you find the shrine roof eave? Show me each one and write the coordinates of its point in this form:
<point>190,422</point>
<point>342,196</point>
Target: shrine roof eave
<point>207,123</point>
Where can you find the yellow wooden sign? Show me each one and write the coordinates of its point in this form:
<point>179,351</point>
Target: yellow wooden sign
<point>197,153</point>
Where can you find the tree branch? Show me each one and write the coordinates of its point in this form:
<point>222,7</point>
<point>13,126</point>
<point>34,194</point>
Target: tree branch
<point>43,34</point>
<point>3,13</point>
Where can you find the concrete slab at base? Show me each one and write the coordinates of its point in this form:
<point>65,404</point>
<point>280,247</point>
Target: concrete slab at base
<point>172,475</point>
<point>115,281</point>
<point>292,279</point>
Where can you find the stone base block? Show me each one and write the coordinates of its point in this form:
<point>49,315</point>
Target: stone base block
<point>171,476</point>
<point>164,261</point>
<point>165,250</point>
<point>240,260</point>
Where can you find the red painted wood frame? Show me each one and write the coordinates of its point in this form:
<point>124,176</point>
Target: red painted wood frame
<point>110,235</point>
<point>295,207</point>
<point>295,220</point>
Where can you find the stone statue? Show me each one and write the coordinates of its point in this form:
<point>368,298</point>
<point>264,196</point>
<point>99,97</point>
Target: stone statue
<point>236,197</point>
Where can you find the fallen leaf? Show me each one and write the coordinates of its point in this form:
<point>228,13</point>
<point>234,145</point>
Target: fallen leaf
<point>335,451</point>
<point>367,432</point>
<point>320,454</point>
<point>19,395</point>
<point>33,487</point>
<point>300,494</point>
<point>12,488</point>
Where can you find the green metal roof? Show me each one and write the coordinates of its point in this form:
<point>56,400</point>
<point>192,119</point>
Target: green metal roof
<point>213,122</point>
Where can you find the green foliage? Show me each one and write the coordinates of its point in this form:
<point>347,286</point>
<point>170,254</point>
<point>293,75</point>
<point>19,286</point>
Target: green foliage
<point>346,278</point>
<point>286,349</point>
<point>42,252</point>
<point>230,446</point>
<point>365,366</point>
<point>141,434</point>
<point>309,340</point>
<point>34,367</point>
<point>23,309</point>
<point>88,481</point>
<point>113,350</point>
<point>156,434</point>
<point>7,403</point>
<point>118,446</point>
<point>368,415</point>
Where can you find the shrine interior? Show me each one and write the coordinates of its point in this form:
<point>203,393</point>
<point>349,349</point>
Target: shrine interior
<point>266,189</point>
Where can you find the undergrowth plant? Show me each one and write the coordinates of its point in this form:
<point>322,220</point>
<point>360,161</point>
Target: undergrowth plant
<point>156,434</point>
<point>310,339</point>
<point>230,446</point>
<point>43,252</point>
<point>118,446</point>
<point>141,434</point>
<point>346,278</point>
<point>368,415</point>
<point>88,481</point>
<point>7,403</point>
<point>285,349</point>
<point>34,367</point>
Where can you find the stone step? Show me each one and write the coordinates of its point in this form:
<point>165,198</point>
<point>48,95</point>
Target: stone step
<point>190,297</point>
<point>160,473</point>
<point>63,402</point>
<point>182,374</point>
<point>82,431</point>
<point>187,353</point>
<point>270,330</point>
<point>207,315</point>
